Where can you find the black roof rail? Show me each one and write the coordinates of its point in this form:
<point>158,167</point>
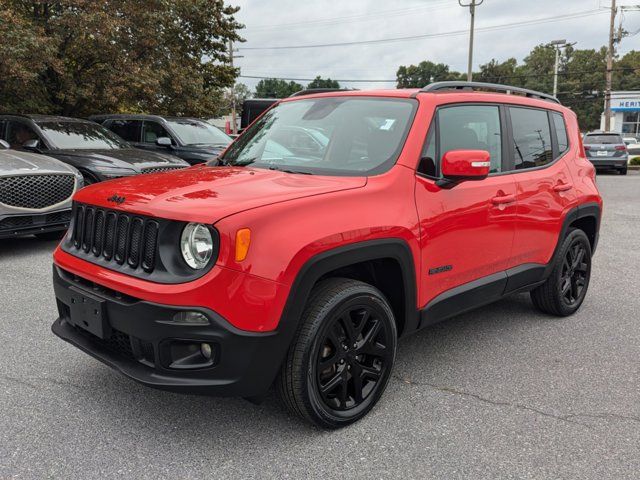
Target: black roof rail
<point>311,91</point>
<point>496,87</point>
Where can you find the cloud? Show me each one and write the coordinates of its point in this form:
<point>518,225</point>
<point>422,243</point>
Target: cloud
<point>291,22</point>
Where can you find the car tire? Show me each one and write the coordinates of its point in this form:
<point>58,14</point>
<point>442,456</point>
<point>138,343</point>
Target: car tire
<point>341,358</point>
<point>623,171</point>
<point>564,291</point>
<point>49,236</point>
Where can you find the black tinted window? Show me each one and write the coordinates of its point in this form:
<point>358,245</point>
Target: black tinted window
<point>428,163</point>
<point>20,133</point>
<point>471,127</point>
<point>531,137</point>
<point>561,132</point>
<point>153,131</point>
<point>127,129</point>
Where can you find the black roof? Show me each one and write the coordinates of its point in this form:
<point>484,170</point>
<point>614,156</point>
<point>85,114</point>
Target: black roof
<point>38,118</point>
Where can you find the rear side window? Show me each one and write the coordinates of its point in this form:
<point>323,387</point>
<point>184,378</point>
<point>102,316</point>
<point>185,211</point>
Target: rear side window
<point>463,127</point>
<point>129,130</point>
<point>531,137</point>
<point>561,132</point>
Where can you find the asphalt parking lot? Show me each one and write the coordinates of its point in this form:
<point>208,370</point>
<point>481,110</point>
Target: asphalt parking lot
<point>502,392</point>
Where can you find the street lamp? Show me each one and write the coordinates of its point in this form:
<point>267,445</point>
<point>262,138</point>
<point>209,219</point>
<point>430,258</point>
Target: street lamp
<point>556,44</point>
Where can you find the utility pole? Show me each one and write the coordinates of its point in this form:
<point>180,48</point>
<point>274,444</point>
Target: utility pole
<point>234,126</point>
<point>472,9</point>
<point>607,93</point>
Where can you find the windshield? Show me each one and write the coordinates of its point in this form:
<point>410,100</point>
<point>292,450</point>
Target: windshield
<point>331,135</point>
<point>81,135</point>
<point>608,139</point>
<point>194,132</point>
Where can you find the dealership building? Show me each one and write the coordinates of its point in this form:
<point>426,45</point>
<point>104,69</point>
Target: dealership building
<point>625,113</point>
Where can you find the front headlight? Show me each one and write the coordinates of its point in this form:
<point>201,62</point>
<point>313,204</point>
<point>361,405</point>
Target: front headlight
<point>196,245</point>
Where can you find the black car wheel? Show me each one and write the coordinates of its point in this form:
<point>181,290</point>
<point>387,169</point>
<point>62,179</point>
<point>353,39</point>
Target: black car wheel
<point>565,289</point>
<point>340,361</point>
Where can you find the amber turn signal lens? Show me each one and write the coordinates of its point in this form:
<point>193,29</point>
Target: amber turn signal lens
<point>243,239</point>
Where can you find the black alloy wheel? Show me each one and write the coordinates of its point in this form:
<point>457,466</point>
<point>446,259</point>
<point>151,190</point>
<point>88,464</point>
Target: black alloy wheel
<point>564,290</point>
<point>573,277</point>
<point>341,358</point>
<point>352,357</point>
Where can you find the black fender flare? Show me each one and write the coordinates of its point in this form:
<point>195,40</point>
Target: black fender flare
<point>586,210</point>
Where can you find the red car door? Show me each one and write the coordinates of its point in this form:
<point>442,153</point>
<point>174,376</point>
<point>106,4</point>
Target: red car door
<point>543,181</point>
<point>466,231</point>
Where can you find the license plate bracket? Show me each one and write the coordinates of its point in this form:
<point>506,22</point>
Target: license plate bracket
<point>89,313</point>
<point>602,153</point>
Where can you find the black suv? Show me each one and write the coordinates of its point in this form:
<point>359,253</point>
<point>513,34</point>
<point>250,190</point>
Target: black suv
<point>191,139</point>
<point>95,151</point>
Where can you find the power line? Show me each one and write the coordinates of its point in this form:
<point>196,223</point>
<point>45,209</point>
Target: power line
<point>501,77</point>
<point>556,18</point>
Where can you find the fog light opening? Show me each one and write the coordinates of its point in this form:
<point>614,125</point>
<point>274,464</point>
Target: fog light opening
<point>206,351</point>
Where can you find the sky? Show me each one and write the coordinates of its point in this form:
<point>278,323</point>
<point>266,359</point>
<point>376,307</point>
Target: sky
<point>443,23</point>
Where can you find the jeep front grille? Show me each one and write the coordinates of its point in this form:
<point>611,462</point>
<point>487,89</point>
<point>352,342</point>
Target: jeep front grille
<point>117,237</point>
<point>36,191</point>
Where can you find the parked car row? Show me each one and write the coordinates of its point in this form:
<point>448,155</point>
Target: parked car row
<point>45,159</point>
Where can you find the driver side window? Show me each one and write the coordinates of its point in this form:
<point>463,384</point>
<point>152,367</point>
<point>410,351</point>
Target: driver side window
<point>153,131</point>
<point>462,127</point>
<point>19,133</point>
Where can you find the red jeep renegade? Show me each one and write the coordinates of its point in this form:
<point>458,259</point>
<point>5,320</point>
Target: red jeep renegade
<point>336,223</point>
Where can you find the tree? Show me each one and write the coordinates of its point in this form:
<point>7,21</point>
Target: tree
<point>77,57</point>
<point>319,82</point>
<point>627,72</point>
<point>276,88</point>
<point>496,72</point>
<point>234,96</point>
<point>423,74</point>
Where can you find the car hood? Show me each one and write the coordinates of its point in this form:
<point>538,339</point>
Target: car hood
<point>121,158</point>
<point>207,194</point>
<point>13,162</point>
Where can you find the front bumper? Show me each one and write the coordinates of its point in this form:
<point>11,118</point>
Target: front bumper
<point>138,336</point>
<point>29,224</point>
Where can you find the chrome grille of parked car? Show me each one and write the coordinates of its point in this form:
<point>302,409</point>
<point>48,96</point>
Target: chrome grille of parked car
<point>36,191</point>
<point>115,236</point>
<point>162,169</point>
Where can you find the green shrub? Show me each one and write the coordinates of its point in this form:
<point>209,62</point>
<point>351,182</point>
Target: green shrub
<point>634,161</point>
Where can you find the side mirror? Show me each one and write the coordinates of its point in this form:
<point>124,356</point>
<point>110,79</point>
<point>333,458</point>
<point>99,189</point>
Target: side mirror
<point>460,165</point>
<point>163,141</point>
<point>31,145</point>
<point>4,145</point>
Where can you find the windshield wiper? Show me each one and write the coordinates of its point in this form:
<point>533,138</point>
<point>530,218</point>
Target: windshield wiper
<point>288,170</point>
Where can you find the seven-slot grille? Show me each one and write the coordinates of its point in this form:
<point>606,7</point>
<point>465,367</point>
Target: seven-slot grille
<point>161,169</point>
<point>36,191</point>
<point>117,237</point>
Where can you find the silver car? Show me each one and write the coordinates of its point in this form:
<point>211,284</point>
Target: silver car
<point>35,194</point>
<point>606,150</point>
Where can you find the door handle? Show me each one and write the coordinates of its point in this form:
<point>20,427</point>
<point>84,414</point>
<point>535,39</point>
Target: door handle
<point>502,199</point>
<point>562,187</point>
